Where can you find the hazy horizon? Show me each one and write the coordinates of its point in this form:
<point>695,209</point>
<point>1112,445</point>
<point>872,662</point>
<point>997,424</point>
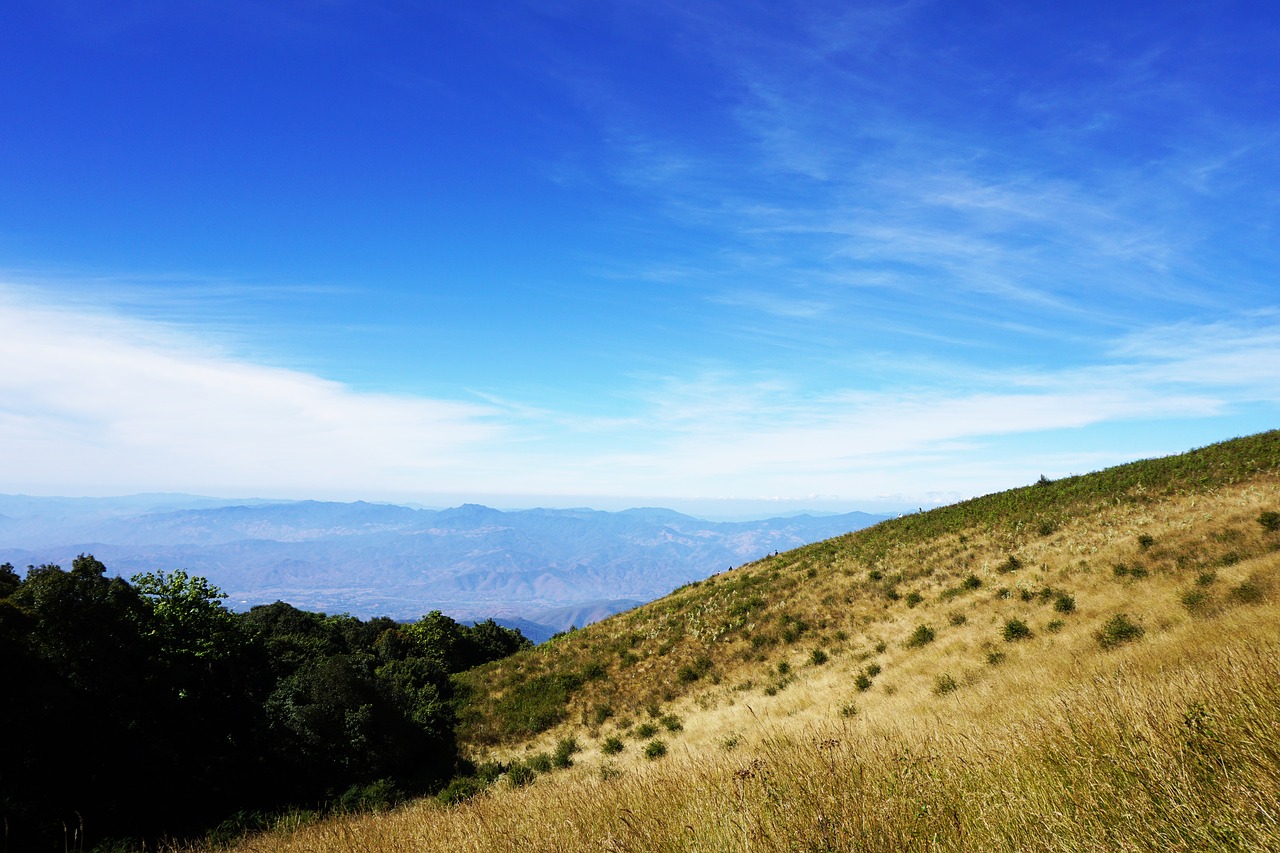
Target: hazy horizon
<point>707,510</point>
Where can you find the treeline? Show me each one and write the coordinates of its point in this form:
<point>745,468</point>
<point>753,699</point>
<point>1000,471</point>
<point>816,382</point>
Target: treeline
<point>145,709</point>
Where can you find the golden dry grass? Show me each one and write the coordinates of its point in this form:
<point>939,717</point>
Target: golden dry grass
<point>969,742</point>
<point>849,616</point>
<point>1167,744</point>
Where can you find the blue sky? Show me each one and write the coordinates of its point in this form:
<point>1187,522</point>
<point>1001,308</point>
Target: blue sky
<point>726,258</point>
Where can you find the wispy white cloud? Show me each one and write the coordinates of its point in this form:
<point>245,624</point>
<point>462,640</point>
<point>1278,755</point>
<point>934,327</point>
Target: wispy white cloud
<point>104,402</point>
<point>747,432</point>
<point>773,304</point>
<point>89,398</point>
<point>1079,201</point>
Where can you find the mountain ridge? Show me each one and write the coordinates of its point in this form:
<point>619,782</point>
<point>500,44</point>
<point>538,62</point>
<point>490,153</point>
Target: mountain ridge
<point>369,559</point>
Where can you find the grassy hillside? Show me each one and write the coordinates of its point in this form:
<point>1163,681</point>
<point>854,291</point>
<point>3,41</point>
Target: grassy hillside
<point>1084,664</point>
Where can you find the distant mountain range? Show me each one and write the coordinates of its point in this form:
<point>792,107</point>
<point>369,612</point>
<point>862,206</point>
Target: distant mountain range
<point>548,568</point>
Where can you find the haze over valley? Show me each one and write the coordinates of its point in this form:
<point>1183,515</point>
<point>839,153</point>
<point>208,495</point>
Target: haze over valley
<point>552,568</point>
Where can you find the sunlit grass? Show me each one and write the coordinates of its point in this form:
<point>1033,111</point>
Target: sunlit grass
<point>1131,756</point>
<point>1135,709</point>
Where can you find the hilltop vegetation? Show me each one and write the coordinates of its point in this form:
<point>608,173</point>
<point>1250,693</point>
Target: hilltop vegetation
<point>1080,664</point>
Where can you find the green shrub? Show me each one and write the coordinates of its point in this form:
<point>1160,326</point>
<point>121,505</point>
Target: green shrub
<point>944,684</point>
<point>563,756</point>
<point>849,710</point>
<point>692,672</point>
<point>1055,625</point>
<point>538,704</point>
<point>601,713</point>
<point>783,667</point>
<point>875,575</point>
<point>914,598</point>
<point>593,671</point>
<point>1117,630</point>
<point>1136,572</point>
<point>489,771</point>
<point>655,749</point>
<point>1196,601</point>
<point>747,606</point>
<point>921,636</point>
<point>1064,603</point>
<point>1270,520</point>
<point>672,723</point>
<point>612,746</point>
<point>1206,578</point>
<point>376,796</point>
<point>730,743</point>
<point>995,658</point>
<point>862,682</point>
<point>1145,541</point>
<point>520,775</point>
<point>1010,565</point>
<point>460,789</point>
<point>817,657</point>
<point>957,619</point>
<point>541,762</point>
<point>1248,592</point>
<point>1015,629</point>
<point>645,730</point>
<point>872,669</point>
<point>881,646</point>
<point>793,625</point>
<point>972,582</point>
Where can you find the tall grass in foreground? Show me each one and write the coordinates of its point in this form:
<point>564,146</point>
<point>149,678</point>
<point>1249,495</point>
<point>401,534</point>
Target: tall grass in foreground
<point>1172,744</point>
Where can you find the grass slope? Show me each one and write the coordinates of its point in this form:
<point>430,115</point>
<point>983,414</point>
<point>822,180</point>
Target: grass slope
<point>1088,664</point>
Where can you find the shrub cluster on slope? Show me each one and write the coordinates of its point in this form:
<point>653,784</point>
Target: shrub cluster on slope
<point>743,623</point>
<point>1146,759</point>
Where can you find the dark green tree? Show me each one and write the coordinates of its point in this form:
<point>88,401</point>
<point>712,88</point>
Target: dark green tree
<point>79,711</point>
<point>9,580</point>
<point>147,709</point>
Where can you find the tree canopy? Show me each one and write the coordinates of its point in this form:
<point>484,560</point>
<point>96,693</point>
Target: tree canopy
<point>145,707</point>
